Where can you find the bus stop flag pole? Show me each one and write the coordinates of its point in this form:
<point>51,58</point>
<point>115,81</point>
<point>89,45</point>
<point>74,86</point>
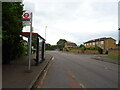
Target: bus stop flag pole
<point>29,67</point>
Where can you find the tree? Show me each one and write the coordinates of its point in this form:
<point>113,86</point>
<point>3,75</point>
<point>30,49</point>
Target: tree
<point>53,47</point>
<point>47,46</point>
<point>50,47</point>
<point>11,28</point>
<point>82,46</point>
<point>61,43</point>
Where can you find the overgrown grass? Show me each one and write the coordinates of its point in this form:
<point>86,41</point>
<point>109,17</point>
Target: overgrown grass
<point>113,57</point>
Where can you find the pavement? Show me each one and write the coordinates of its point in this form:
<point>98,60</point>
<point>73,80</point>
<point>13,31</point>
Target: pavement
<point>15,75</point>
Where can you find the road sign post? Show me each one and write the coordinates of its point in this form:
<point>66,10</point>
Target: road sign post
<point>29,67</point>
<point>28,18</point>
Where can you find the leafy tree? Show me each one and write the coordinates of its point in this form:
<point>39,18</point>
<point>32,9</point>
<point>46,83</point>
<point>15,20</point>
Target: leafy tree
<point>12,27</point>
<point>82,46</point>
<point>47,46</point>
<point>50,47</point>
<point>61,43</point>
<point>53,47</point>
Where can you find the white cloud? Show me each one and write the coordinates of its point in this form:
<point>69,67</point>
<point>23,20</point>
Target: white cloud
<point>72,19</point>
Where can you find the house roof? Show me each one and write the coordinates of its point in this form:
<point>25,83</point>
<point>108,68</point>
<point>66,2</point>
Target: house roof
<point>71,43</point>
<point>99,39</point>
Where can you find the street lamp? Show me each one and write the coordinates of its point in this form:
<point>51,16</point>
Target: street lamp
<point>45,41</point>
<point>119,23</point>
<point>119,37</point>
<point>45,31</point>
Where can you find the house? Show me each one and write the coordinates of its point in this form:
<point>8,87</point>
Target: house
<point>70,44</point>
<point>104,43</point>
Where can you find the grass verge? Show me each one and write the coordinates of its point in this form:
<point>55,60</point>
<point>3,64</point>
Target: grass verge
<point>112,57</point>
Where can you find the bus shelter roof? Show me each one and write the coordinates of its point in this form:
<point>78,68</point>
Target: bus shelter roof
<point>26,34</point>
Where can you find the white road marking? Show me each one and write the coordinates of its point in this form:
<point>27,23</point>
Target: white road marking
<point>52,58</point>
<point>82,86</point>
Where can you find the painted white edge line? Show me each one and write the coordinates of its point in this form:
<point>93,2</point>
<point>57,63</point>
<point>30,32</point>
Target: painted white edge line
<point>82,86</point>
<point>52,58</point>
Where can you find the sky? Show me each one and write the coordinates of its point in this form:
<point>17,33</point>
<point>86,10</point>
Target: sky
<point>74,20</point>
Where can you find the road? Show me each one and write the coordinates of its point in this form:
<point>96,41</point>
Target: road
<point>68,70</point>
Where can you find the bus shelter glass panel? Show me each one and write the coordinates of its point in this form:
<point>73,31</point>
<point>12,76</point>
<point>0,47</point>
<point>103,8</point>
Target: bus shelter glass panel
<point>40,50</point>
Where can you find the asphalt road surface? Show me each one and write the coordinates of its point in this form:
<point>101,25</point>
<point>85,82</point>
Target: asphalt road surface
<point>68,70</point>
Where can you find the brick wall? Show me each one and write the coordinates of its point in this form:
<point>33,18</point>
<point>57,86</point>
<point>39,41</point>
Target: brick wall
<point>84,51</point>
<point>91,52</point>
<point>114,52</point>
<point>104,51</point>
<point>77,50</point>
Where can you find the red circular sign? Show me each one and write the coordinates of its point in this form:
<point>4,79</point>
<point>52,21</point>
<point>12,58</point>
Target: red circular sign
<point>26,15</point>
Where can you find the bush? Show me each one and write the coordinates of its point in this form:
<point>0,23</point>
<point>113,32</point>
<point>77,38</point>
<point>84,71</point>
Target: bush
<point>100,50</point>
<point>11,28</point>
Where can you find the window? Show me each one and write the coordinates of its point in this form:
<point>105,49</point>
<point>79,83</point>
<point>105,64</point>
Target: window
<point>96,42</point>
<point>102,42</point>
<point>93,43</point>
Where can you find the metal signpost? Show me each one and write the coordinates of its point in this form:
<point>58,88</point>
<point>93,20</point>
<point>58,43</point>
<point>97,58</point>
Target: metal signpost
<point>27,17</point>
<point>29,68</point>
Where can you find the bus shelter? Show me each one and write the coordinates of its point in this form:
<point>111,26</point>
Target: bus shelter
<point>40,45</point>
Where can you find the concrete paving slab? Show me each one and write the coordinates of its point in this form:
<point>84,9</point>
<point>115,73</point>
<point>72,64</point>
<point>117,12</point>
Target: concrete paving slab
<point>14,75</point>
